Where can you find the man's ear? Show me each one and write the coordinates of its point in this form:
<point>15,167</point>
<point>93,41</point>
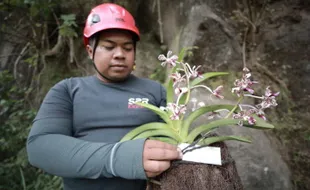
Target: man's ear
<point>89,51</point>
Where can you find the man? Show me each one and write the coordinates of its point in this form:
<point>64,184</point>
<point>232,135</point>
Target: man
<point>77,130</point>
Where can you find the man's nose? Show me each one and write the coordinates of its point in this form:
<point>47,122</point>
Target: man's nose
<point>119,53</point>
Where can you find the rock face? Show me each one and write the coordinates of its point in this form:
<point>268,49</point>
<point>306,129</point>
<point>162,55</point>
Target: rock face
<point>259,165</point>
<point>277,37</point>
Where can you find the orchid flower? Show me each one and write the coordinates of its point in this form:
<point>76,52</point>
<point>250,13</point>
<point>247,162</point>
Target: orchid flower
<point>260,113</point>
<point>245,115</point>
<point>177,78</point>
<point>269,99</point>
<point>170,60</point>
<point>244,84</point>
<point>217,92</point>
<point>179,91</point>
<point>176,110</point>
<point>193,72</point>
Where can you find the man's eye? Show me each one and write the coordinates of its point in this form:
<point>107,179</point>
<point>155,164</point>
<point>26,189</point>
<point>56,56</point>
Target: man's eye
<point>128,48</point>
<point>108,47</point>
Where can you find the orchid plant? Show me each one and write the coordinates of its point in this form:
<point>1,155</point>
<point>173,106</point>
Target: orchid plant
<point>176,126</point>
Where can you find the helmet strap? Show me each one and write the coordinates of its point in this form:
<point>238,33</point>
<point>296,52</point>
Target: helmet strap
<point>93,58</point>
<point>96,38</point>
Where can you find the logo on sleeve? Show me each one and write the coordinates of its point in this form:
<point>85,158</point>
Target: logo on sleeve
<point>132,101</point>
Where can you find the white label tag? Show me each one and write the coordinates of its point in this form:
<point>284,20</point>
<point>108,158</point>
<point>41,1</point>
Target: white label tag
<point>207,155</point>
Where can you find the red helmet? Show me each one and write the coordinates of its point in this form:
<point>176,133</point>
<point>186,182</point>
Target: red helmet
<point>109,16</point>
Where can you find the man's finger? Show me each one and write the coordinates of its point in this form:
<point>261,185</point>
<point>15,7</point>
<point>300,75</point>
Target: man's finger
<point>152,174</point>
<point>162,154</point>
<point>159,144</point>
<point>156,166</point>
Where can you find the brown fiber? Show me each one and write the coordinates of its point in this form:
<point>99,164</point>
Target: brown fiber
<point>195,176</point>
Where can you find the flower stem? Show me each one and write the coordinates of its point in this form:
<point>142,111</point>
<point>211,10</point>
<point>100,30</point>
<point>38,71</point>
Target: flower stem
<point>188,85</point>
<point>202,86</point>
<point>236,106</point>
<point>250,95</point>
<point>246,105</point>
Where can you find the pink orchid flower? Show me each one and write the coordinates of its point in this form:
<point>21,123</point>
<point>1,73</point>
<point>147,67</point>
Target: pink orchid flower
<point>269,99</point>
<point>176,110</point>
<point>244,84</point>
<point>170,60</point>
<point>177,78</point>
<point>245,115</point>
<point>217,92</point>
<point>179,91</point>
<point>193,72</point>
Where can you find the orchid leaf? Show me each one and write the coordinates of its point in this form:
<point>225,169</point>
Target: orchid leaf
<point>259,124</point>
<point>159,133</point>
<point>206,76</point>
<point>164,115</point>
<point>211,140</point>
<point>210,126</point>
<point>165,139</point>
<point>185,51</point>
<point>191,117</point>
<point>169,88</point>
<point>183,98</point>
<point>177,124</point>
<point>149,126</point>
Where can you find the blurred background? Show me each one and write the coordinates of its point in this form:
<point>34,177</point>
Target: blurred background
<point>41,44</point>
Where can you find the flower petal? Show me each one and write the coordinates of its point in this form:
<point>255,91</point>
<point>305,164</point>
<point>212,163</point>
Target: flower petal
<point>161,57</point>
<point>169,54</point>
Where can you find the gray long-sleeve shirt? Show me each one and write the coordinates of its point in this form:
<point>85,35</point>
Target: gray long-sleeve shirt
<point>77,130</point>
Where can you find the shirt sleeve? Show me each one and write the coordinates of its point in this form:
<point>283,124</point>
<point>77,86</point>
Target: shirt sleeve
<point>51,147</point>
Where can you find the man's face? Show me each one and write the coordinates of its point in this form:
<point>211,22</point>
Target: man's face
<point>114,56</point>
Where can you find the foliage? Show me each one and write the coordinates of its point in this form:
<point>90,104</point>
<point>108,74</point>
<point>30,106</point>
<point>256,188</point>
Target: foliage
<point>68,26</point>
<point>15,118</point>
<point>32,22</point>
<point>15,121</point>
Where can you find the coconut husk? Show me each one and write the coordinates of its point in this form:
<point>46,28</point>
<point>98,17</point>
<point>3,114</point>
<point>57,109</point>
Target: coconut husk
<point>196,176</point>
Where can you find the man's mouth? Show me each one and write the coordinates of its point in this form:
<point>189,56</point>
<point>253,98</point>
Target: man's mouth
<point>118,67</point>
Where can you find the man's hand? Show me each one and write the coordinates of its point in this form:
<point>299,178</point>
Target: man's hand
<point>157,156</point>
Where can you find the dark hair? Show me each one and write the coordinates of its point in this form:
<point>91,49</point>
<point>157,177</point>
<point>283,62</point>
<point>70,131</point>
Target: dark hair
<point>93,40</point>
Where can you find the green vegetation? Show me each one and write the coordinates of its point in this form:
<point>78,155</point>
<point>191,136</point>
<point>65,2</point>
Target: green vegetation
<point>15,121</point>
<point>21,92</point>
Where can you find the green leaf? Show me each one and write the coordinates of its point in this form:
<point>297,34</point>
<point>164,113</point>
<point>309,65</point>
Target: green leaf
<point>210,126</point>
<point>165,139</point>
<point>159,133</point>
<point>259,124</point>
<point>183,98</point>
<point>211,140</point>
<point>177,124</point>
<point>149,126</point>
<point>169,87</point>
<point>23,178</point>
<point>164,115</point>
<point>186,51</point>
<point>182,54</point>
<point>191,117</point>
<point>206,76</point>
